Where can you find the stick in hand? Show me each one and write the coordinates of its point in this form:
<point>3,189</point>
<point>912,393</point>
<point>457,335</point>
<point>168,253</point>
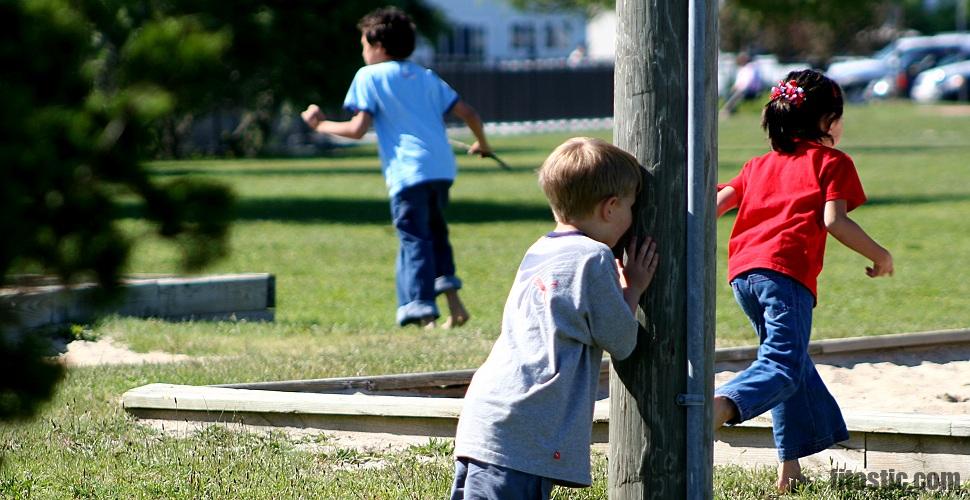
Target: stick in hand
<point>457,143</point>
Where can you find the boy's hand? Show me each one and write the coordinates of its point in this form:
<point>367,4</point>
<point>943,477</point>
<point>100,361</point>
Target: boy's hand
<point>480,149</point>
<point>312,116</point>
<point>641,265</point>
<point>882,268</point>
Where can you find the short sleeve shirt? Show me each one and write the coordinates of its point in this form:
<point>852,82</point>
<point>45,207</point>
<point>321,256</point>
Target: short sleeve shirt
<point>781,204</point>
<point>407,103</point>
<point>530,405</point>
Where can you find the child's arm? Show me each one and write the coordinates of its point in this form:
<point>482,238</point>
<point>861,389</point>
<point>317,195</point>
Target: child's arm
<point>474,123</point>
<point>355,128</point>
<point>838,224</point>
<point>727,198</point>
<point>636,275</point>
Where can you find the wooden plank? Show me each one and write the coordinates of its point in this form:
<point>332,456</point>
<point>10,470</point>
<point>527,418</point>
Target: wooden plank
<point>910,453</point>
<point>34,307</point>
<point>857,344</point>
<point>901,423</point>
<point>184,397</point>
<point>755,447</point>
<point>186,297</point>
<point>891,423</point>
<point>372,383</point>
<point>241,296</point>
<point>878,441</point>
<point>401,426</point>
<point>140,299</point>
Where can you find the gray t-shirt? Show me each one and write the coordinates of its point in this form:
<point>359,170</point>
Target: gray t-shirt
<point>530,406</point>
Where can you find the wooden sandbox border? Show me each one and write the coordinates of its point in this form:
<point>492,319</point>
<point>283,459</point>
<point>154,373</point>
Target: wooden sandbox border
<point>386,404</point>
<point>249,296</point>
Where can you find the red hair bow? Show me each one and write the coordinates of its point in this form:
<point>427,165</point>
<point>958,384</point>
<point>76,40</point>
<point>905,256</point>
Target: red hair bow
<point>789,91</point>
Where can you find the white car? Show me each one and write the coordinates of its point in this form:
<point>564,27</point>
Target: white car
<point>947,82</point>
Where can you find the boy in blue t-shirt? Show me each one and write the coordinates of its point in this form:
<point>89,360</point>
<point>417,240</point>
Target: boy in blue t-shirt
<point>406,104</point>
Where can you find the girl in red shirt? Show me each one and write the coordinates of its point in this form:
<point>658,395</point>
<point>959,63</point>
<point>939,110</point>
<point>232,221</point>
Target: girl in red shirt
<point>788,201</point>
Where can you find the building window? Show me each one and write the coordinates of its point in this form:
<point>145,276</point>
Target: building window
<point>464,43</point>
<point>559,35</point>
<point>524,38</point>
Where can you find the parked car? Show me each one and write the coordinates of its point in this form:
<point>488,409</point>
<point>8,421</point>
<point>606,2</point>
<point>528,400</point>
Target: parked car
<point>891,70</point>
<point>949,82</point>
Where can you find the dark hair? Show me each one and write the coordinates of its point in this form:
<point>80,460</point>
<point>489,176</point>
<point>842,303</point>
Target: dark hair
<point>787,119</point>
<point>392,28</point>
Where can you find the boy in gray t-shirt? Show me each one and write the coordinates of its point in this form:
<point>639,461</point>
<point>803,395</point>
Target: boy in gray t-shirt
<point>528,413</point>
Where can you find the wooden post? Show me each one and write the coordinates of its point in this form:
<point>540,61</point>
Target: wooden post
<point>648,428</point>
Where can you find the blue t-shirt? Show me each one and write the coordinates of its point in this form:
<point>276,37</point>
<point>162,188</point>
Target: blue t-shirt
<point>407,103</point>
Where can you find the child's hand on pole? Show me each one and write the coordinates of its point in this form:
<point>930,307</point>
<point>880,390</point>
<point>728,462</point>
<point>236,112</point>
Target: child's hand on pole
<point>641,265</point>
<point>312,116</point>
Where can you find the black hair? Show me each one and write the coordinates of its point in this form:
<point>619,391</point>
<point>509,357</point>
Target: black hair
<point>787,119</point>
<point>392,29</point>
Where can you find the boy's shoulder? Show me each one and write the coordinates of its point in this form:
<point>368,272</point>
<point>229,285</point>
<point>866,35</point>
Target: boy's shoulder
<point>578,249</point>
<point>392,69</point>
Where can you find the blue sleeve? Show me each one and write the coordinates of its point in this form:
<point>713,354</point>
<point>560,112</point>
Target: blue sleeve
<point>446,96</point>
<point>361,95</point>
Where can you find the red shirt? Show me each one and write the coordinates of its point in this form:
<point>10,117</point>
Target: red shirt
<point>781,202</point>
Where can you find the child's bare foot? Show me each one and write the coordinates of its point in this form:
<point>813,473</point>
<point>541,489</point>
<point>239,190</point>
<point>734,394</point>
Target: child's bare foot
<point>724,411</point>
<point>427,322</point>
<point>458,315</point>
<point>789,476</point>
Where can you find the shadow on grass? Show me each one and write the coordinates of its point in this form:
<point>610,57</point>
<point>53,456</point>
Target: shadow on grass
<point>267,172</point>
<point>487,167</point>
<point>917,199</point>
<point>899,148</point>
<point>365,211</point>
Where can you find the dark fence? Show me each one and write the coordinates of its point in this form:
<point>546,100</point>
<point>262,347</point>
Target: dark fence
<point>530,92</point>
<point>509,92</point>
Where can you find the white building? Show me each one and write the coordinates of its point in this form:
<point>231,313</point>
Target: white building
<point>493,31</point>
<point>601,36</point>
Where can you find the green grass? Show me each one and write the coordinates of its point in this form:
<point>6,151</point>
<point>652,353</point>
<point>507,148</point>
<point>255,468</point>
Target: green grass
<point>322,227</point>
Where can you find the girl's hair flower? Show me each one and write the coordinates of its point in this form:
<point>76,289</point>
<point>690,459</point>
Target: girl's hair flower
<point>789,91</point>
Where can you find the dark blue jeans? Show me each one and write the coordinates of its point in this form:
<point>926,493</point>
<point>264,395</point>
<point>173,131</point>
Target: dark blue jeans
<point>805,417</point>
<point>425,263</point>
<point>476,480</point>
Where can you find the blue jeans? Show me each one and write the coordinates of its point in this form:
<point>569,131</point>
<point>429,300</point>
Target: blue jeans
<point>805,416</point>
<point>425,264</point>
<point>481,481</point>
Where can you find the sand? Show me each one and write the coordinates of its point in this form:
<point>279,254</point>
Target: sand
<point>108,352</point>
<point>932,380</point>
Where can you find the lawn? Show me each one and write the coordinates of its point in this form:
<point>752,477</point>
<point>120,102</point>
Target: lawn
<point>321,226</point>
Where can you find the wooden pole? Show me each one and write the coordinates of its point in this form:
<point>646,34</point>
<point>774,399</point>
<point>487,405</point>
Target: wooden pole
<point>648,427</point>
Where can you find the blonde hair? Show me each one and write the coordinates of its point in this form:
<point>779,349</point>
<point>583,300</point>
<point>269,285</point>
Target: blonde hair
<point>584,171</point>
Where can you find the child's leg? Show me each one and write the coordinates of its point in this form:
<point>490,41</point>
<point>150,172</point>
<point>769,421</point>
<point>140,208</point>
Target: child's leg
<point>806,419</point>
<point>482,481</point>
<point>415,260</point>
<point>445,280</point>
<point>809,421</point>
<point>780,310</point>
